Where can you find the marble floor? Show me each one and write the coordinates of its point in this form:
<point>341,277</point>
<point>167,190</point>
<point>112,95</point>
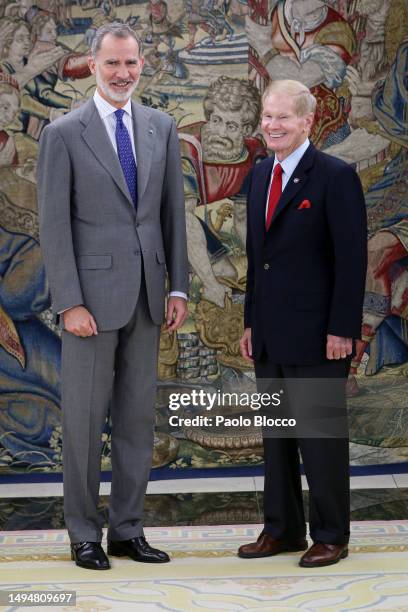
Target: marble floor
<point>204,501</point>
<point>201,522</point>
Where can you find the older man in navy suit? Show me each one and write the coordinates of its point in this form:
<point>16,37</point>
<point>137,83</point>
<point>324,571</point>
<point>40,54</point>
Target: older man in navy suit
<point>306,248</point>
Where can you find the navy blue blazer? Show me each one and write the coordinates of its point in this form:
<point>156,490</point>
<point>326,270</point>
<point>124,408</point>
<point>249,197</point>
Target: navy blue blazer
<point>306,275</point>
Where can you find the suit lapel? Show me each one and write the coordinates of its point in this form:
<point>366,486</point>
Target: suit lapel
<point>296,182</point>
<point>144,139</point>
<point>98,141</point>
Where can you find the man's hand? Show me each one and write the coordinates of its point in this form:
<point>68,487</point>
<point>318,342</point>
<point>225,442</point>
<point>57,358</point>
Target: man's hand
<point>245,345</point>
<point>79,321</point>
<point>338,347</point>
<point>176,312</point>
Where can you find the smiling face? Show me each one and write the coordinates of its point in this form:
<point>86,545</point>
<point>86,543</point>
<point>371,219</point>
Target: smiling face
<point>283,130</point>
<point>117,67</point>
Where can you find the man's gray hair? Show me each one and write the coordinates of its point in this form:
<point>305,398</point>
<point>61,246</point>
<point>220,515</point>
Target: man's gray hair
<point>117,29</point>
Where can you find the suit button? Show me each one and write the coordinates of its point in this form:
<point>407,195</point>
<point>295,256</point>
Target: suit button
<point>266,266</point>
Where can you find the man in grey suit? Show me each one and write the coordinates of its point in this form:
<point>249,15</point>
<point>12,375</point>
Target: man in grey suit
<point>111,220</point>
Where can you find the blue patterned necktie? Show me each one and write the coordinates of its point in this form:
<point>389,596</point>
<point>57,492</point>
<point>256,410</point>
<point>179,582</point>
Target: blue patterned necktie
<point>125,154</point>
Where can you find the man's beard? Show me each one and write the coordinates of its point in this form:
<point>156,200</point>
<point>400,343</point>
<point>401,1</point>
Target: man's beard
<point>117,96</point>
<point>219,147</point>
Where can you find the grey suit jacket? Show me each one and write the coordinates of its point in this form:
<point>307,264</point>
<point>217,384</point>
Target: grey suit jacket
<point>94,244</point>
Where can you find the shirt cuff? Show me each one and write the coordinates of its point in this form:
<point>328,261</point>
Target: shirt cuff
<point>60,312</point>
<point>178,294</point>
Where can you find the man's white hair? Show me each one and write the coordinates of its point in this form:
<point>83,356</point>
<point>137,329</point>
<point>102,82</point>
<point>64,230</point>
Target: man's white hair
<point>304,100</point>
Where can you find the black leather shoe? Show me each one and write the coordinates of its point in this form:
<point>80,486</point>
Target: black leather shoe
<point>89,555</point>
<point>138,550</point>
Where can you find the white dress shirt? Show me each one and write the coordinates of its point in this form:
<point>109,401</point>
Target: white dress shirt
<point>107,114</point>
<point>288,166</point>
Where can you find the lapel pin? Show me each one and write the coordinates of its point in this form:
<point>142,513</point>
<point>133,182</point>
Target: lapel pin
<point>150,131</point>
<point>296,180</point>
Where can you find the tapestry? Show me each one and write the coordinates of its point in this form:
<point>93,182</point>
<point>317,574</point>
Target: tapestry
<point>207,63</point>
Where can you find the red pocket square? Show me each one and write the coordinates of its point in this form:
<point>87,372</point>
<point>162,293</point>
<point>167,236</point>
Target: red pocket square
<point>305,204</point>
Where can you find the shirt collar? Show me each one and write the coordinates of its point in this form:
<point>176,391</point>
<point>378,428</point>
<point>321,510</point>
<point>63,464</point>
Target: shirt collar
<point>291,161</point>
<point>105,109</point>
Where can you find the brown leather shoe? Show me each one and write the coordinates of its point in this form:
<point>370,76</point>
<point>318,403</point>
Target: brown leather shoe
<point>267,546</point>
<point>320,554</point>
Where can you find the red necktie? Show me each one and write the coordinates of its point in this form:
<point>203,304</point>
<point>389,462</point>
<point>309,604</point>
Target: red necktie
<point>275,193</point>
